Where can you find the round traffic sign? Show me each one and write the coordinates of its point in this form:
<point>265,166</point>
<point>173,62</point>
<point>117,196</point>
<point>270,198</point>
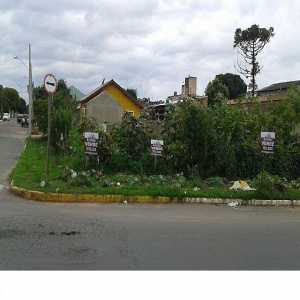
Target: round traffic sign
<point>50,83</point>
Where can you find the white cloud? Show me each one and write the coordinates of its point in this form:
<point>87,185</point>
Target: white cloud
<point>150,45</point>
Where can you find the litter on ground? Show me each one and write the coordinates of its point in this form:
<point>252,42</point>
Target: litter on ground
<point>233,204</point>
<point>241,185</point>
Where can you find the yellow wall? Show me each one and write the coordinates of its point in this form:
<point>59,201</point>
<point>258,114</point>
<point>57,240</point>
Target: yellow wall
<point>123,100</point>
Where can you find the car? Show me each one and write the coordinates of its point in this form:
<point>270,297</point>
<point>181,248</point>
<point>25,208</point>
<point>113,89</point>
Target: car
<point>6,117</point>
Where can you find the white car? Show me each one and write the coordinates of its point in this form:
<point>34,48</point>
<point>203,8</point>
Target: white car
<point>6,117</point>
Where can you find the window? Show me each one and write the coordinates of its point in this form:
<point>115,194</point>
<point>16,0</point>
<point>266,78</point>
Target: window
<point>130,113</point>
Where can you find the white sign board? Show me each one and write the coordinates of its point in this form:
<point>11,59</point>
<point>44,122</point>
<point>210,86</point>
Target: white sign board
<point>157,147</point>
<point>91,140</point>
<point>267,142</point>
<point>50,84</point>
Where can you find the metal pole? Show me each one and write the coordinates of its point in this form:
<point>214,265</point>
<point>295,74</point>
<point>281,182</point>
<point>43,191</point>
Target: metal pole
<point>30,92</point>
<point>50,100</point>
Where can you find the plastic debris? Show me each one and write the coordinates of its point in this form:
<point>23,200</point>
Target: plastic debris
<point>241,185</point>
<point>125,202</point>
<point>73,174</point>
<point>233,204</point>
<point>43,184</point>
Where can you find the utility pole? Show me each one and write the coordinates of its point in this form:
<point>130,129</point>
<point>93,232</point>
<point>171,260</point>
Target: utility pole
<point>30,92</point>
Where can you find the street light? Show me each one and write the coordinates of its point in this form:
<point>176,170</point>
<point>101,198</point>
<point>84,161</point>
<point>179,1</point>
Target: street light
<point>21,60</point>
<point>29,88</point>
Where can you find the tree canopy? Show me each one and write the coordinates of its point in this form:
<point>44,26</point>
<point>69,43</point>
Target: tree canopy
<point>133,93</point>
<point>9,100</point>
<point>216,91</point>
<point>235,84</point>
<point>63,107</point>
<point>250,43</point>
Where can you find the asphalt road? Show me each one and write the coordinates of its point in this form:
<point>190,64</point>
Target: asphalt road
<point>43,236</point>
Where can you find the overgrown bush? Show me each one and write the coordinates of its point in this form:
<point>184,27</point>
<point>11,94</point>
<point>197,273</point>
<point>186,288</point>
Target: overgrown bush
<point>216,142</point>
<point>268,186</point>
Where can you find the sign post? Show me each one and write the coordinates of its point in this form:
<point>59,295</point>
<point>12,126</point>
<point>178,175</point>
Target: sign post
<point>50,84</point>
<point>156,150</point>
<point>267,142</point>
<point>91,141</point>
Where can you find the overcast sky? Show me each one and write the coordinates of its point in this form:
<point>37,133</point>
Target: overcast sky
<point>150,45</point>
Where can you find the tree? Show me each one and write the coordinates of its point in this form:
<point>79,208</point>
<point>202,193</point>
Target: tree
<point>11,99</point>
<point>22,107</point>
<point>63,108</point>
<point>133,93</point>
<point>131,137</point>
<point>235,84</point>
<point>250,43</point>
<point>186,135</point>
<point>216,91</point>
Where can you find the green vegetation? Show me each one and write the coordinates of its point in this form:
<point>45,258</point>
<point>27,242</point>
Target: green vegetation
<point>203,145</point>
<point>10,101</point>
<point>29,173</point>
<point>63,109</point>
<point>217,92</point>
<point>235,84</point>
<point>250,42</point>
<point>224,87</point>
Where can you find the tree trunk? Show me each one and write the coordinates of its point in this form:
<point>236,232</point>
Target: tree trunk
<point>253,70</point>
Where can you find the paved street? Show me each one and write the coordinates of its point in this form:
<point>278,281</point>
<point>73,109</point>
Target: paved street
<point>138,237</point>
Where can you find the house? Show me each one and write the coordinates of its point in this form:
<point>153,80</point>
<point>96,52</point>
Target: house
<point>158,111</point>
<point>108,103</point>
<point>188,92</point>
<point>270,95</point>
<point>278,89</point>
<point>264,102</point>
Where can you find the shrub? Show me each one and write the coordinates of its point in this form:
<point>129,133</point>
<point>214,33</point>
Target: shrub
<point>268,186</point>
<point>215,182</point>
<point>80,180</point>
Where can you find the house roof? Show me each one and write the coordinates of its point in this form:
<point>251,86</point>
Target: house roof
<point>279,86</point>
<point>100,89</point>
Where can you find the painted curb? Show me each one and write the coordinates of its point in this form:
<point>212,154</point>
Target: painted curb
<point>105,199</point>
<point>86,198</point>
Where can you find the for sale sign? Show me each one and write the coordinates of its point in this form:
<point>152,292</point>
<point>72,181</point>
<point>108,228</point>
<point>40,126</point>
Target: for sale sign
<point>267,142</point>
<point>157,147</point>
<point>91,140</point>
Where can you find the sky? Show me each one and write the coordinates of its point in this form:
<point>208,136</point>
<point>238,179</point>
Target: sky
<point>149,45</point>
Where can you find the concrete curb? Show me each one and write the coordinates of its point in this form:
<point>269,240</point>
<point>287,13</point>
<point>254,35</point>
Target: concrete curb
<point>89,198</point>
<point>86,198</point>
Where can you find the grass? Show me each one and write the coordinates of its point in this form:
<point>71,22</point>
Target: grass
<point>30,171</point>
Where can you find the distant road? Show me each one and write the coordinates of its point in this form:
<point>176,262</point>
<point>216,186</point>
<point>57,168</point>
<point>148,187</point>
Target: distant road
<point>12,137</point>
<point>39,236</point>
